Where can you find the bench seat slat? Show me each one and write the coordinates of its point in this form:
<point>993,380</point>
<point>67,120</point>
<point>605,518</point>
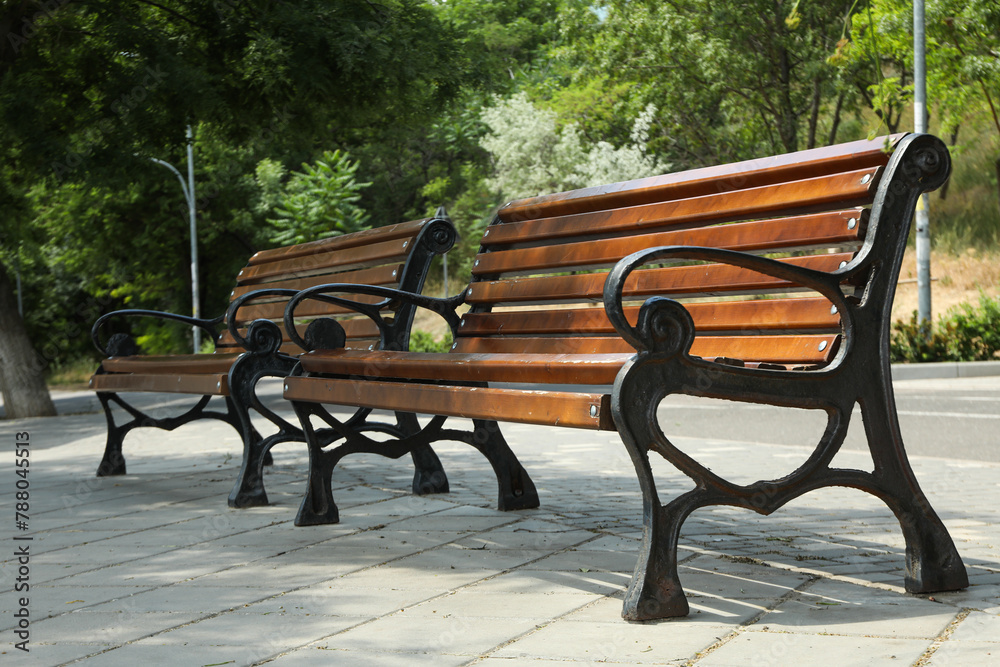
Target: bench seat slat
<point>207,384</point>
<point>458,367</point>
<point>403,230</point>
<point>763,314</point>
<point>707,180</point>
<point>772,349</point>
<point>346,260</point>
<point>706,279</point>
<point>359,327</point>
<point>824,193</point>
<point>184,364</point>
<point>273,310</point>
<point>514,405</point>
<point>800,233</point>
<point>381,275</point>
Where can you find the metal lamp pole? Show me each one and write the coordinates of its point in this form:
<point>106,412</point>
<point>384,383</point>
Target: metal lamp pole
<point>188,189</point>
<point>920,125</point>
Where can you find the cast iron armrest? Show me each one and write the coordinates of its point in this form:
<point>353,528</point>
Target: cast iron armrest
<point>446,307</point>
<point>644,337</point>
<point>209,326</point>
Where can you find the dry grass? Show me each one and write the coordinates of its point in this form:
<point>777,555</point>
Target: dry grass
<point>955,280</point>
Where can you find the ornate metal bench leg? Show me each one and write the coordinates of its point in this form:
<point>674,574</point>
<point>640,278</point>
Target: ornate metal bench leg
<point>249,488</point>
<point>428,473</point>
<point>932,561</point>
<point>516,490</point>
<point>655,590</point>
<point>318,506</point>
<point>113,462</point>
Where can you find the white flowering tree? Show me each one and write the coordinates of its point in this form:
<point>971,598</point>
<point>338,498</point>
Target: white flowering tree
<point>532,155</point>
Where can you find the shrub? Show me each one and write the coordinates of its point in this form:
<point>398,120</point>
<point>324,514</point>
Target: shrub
<point>422,341</point>
<point>965,333</point>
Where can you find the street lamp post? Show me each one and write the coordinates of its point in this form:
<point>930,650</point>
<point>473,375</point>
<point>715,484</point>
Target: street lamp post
<point>188,189</point>
<point>920,125</point>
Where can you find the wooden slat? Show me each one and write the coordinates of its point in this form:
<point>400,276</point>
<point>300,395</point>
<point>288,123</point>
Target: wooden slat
<point>403,230</point>
<point>697,182</point>
<point>707,279</point>
<point>310,308</point>
<point>839,190</point>
<point>182,364</point>
<point>213,385</point>
<point>354,328</point>
<point>382,275</point>
<point>351,259</point>
<point>513,405</point>
<point>774,349</point>
<point>762,314</point>
<point>798,233</point>
<point>457,367</point>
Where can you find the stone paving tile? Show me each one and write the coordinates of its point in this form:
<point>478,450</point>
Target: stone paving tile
<point>838,608</point>
<point>641,643</point>
<point>264,634</point>
<point>978,626</point>
<point>767,648</point>
<point>131,655</point>
<point>426,631</point>
<point>179,598</point>
<point>965,654</point>
<point>83,627</point>
<point>322,656</point>
<point>46,655</point>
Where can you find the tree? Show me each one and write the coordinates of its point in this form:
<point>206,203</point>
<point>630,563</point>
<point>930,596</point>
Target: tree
<point>89,91</point>
<point>21,381</point>
<point>731,79</point>
<point>533,156</point>
<point>963,58</point>
<point>317,202</point>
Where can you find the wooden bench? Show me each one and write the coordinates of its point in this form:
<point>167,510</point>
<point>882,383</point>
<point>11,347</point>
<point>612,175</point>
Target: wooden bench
<point>253,346</point>
<point>768,281</point>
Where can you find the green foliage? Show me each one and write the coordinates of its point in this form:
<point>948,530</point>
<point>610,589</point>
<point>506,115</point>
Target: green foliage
<point>317,202</point>
<point>422,341</point>
<point>966,333</point>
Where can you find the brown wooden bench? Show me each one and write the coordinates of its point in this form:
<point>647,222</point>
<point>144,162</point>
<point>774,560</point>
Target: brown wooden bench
<point>768,281</point>
<point>253,344</point>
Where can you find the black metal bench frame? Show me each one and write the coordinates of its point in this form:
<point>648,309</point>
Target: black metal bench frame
<point>263,358</point>
<point>662,365</point>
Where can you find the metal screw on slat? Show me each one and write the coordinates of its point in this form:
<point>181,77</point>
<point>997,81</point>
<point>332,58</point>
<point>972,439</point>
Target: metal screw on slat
<point>371,347</point>
<point>822,346</point>
<point>475,263</point>
<point>218,385</point>
<point>833,310</point>
<point>593,410</point>
<point>843,264</point>
<point>394,272</point>
<point>486,233</point>
<point>454,345</point>
<point>865,179</point>
<point>469,292</point>
<point>406,243</point>
<point>286,386</point>
<point>852,223</point>
<point>462,323</point>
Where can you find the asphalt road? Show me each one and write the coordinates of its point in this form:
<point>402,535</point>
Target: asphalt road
<point>954,418</point>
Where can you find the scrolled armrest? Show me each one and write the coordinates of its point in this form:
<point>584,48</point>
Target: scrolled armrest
<point>645,336</point>
<point>444,307</point>
<point>209,326</point>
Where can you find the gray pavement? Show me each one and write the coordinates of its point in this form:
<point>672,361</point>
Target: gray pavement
<point>154,568</point>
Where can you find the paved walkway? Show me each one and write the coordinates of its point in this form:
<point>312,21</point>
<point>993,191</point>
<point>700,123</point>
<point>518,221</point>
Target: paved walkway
<point>153,568</point>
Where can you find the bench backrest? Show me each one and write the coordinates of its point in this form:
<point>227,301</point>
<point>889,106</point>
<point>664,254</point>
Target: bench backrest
<point>396,256</point>
<point>542,264</point>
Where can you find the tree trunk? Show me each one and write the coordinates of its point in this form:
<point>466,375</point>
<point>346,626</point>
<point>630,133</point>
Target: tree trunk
<point>997,164</point>
<point>22,371</point>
